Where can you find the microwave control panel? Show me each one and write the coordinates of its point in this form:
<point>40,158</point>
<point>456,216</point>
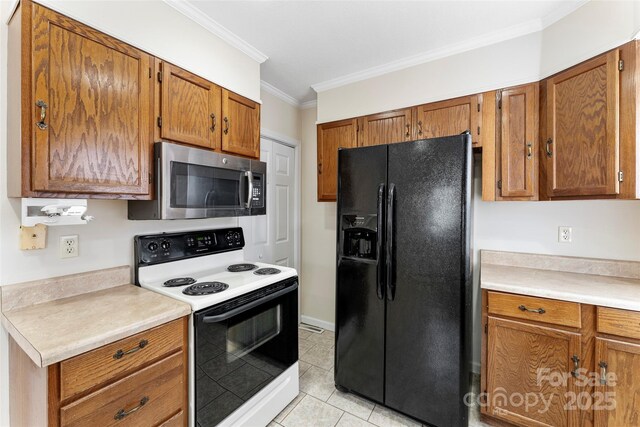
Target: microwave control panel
<point>257,196</point>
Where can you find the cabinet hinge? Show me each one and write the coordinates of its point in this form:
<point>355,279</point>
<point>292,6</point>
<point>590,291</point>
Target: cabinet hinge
<point>620,176</point>
<point>478,107</point>
<point>486,328</point>
<point>500,184</point>
<point>150,178</point>
<point>159,122</point>
<point>149,72</point>
<point>160,76</point>
<point>621,65</point>
<point>478,130</point>
<point>499,99</point>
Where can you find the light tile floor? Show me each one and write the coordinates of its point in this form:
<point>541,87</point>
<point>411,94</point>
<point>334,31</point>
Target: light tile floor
<point>319,404</point>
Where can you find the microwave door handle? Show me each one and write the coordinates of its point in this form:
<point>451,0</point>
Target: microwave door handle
<point>229,314</point>
<point>249,176</point>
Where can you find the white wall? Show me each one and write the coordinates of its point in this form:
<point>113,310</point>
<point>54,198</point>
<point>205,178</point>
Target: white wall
<point>594,28</point>
<point>108,241</point>
<point>279,117</point>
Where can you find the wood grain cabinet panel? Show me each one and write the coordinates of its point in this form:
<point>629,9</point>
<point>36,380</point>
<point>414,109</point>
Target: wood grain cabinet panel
<point>241,125</point>
<point>582,145</point>
<point>89,110</point>
<point>386,128</point>
<point>617,390</point>
<point>331,136</point>
<point>451,117</point>
<point>190,108</point>
<point>536,309</point>
<point>517,140</point>
<point>516,355</point>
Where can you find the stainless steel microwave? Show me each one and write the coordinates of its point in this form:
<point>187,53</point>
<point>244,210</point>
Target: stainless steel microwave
<point>195,183</point>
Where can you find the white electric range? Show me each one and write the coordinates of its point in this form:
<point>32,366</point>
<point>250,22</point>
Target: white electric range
<point>243,338</point>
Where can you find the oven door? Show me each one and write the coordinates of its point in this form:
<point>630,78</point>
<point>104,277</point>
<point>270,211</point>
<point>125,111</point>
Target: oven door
<point>202,184</point>
<point>242,345</point>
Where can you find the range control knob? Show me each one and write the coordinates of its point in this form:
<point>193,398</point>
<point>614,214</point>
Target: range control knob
<point>165,245</point>
<point>153,246</point>
<point>236,235</point>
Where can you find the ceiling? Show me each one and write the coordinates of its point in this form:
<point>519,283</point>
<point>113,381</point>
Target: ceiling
<point>320,42</point>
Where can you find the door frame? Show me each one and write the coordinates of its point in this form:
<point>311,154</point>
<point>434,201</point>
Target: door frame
<point>279,138</point>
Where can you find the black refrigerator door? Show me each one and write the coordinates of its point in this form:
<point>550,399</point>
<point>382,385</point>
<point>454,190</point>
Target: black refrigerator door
<point>360,305</point>
<point>428,300</point>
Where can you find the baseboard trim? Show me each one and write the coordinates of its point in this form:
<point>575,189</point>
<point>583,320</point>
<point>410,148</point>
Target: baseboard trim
<point>319,323</point>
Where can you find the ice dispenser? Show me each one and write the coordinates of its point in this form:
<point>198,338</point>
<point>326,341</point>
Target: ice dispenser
<point>359,236</point>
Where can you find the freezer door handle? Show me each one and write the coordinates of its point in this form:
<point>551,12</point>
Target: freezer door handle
<point>379,244</point>
<point>389,259</point>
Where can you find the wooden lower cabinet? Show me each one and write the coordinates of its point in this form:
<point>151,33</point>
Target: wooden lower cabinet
<point>139,380</point>
<point>604,347</point>
<point>522,362</point>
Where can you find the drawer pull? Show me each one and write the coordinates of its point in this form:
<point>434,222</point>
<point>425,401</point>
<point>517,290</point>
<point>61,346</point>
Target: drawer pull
<point>576,366</point>
<point>121,353</point>
<point>532,310</point>
<point>603,372</point>
<point>121,414</point>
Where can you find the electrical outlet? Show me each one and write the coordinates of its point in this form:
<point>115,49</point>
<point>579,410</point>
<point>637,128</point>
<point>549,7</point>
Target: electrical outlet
<point>564,234</point>
<point>69,246</point>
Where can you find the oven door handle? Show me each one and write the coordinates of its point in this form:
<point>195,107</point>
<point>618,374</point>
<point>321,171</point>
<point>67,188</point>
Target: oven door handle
<point>229,314</point>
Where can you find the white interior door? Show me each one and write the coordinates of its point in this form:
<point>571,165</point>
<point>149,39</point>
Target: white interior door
<point>269,238</point>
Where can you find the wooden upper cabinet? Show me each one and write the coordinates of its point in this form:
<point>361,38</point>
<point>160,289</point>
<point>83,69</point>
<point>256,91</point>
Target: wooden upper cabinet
<point>88,113</point>
<point>451,117</point>
<point>582,144</point>
<point>190,108</point>
<point>516,351</point>
<point>517,141</point>
<point>386,128</point>
<point>617,388</point>
<point>241,125</point>
<point>331,136</point>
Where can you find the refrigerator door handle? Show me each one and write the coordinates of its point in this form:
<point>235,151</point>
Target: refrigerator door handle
<point>391,286</point>
<point>379,244</point>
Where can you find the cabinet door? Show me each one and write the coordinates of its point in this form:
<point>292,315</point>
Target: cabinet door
<point>518,137</point>
<point>331,136</point>
<point>241,125</point>
<point>388,127</point>
<point>190,108</point>
<point>617,393</point>
<point>582,120</point>
<point>518,356</point>
<point>451,117</point>
<point>91,110</point>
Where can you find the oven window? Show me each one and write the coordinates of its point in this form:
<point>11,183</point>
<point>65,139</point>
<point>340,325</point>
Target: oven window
<point>251,333</point>
<point>196,186</point>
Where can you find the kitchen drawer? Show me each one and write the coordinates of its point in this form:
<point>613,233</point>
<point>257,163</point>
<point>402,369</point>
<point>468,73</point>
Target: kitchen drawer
<point>623,323</point>
<point>547,310</point>
<point>178,420</point>
<point>118,359</point>
<point>157,391</point>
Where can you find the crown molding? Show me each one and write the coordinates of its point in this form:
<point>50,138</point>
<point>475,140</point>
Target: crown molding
<point>512,32</point>
<point>309,104</point>
<point>279,94</point>
<point>196,15</point>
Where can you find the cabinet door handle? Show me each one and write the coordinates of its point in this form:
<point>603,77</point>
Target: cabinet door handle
<point>419,127</point>
<point>529,150</point>
<point>122,413</point>
<point>121,353</point>
<point>603,372</point>
<point>548,147</point>
<point>576,366</point>
<point>43,114</point>
<point>226,125</point>
<point>213,122</point>
<point>408,126</point>
<point>532,310</point>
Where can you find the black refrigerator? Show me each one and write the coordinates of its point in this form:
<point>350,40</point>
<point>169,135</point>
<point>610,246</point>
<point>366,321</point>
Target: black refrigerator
<point>403,294</point>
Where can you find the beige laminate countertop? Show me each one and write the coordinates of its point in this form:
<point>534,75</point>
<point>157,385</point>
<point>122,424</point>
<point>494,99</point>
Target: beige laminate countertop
<point>55,330</point>
<point>544,277</point>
